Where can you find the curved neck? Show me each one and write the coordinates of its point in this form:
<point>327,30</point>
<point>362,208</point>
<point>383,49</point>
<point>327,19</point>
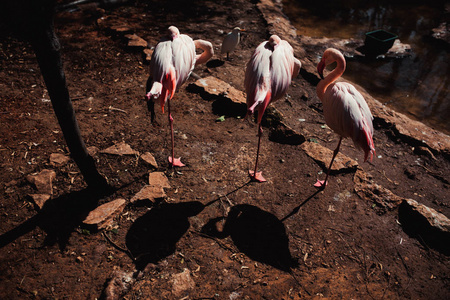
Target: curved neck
<point>331,77</point>
<point>208,51</point>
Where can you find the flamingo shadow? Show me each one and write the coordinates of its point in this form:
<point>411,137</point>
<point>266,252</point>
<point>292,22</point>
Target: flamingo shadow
<point>257,233</point>
<point>154,236</point>
<point>59,217</point>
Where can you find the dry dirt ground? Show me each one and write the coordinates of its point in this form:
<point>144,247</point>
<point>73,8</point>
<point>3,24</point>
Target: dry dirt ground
<point>230,238</point>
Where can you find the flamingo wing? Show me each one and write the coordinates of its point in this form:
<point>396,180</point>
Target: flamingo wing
<point>183,49</point>
<point>282,69</point>
<point>347,113</point>
<point>257,76</point>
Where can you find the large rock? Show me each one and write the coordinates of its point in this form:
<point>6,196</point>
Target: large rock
<point>43,181</point>
<point>216,87</point>
<point>323,155</point>
<point>366,189</point>
<point>429,226</point>
<point>103,216</point>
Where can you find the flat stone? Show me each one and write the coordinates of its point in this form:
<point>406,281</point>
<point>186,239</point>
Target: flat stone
<point>120,149</point>
<point>367,190</point>
<point>158,179</point>
<point>149,192</point>
<point>136,41</point>
<point>216,87</point>
<point>182,282</point>
<point>39,199</point>
<point>103,215</point>
<point>58,159</point>
<point>323,155</point>
<point>150,159</point>
<point>43,181</point>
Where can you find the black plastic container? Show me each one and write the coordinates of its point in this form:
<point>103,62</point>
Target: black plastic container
<point>379,41</point>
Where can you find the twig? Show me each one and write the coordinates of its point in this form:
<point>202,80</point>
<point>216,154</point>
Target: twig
<point>214,239</point>
<point>117,109</point>
<point>125,250</point>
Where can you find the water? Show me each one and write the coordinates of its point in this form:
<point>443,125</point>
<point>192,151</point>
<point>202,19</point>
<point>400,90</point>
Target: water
<point>418,85</point>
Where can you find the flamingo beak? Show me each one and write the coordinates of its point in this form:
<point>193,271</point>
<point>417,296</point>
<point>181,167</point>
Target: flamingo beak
<point>320,68</point>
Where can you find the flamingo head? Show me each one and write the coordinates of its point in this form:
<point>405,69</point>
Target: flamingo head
<point>274,40</point>
<point>320,67</point>
<point>173,32</point>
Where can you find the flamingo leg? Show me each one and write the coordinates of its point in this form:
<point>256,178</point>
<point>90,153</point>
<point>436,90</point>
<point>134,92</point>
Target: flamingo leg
<point>254,175</point>
<point>174,162</point>
<point>323,183</point>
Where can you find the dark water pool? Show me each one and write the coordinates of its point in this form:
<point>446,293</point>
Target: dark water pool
<point>417,85</point>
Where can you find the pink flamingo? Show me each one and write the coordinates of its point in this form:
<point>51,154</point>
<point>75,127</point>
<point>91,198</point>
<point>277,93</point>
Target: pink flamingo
<point>172,62</point>
<point>344,109</point>
<point>267,78</point>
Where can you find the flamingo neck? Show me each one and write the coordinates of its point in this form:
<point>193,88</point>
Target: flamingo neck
<point>331,77</point>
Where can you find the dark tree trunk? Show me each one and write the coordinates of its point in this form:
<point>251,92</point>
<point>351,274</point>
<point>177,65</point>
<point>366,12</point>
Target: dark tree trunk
<point>33,20</point>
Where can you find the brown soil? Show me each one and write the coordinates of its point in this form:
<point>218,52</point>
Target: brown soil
<point>239,239</point>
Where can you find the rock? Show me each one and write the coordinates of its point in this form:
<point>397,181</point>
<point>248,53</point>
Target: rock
<point>367,190</point>
<point>158,179</point>
<point>182,282</point>
<point>58,159</point>
<point>120,149</point>
<point>429,226</point>
<point>150,159</point>
<point>323,155</point>
<point>147,54</point>
<point>216,87</point>
<point>149,192</point>
<point>39,199</point>
<point>102,216</point>
<point>43,181</point>
<point>118,285</point>
<point>135,41</point>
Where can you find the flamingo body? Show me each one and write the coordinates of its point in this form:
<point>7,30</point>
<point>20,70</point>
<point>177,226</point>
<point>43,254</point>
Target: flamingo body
<point>344,108</point>
<point>267,78</point>
<point>172,62</point>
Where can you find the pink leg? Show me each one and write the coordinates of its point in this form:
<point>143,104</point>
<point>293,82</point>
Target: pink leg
<point>323,183</point>
<point>174,162</point>
<point>254,175</point>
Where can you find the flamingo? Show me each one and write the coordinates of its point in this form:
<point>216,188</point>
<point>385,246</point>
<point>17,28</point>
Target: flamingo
<point>267,78</point>
<point>171,64</point>
<point>231,40</point>
<point>344,108</point>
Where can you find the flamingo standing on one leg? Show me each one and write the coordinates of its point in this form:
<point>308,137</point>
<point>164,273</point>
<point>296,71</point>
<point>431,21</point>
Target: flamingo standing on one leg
<point>344,109</point>
<point>230,41</point>
<point>267,78</point>
<point>172,62</point>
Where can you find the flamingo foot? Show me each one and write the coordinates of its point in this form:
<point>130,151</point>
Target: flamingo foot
<point>321,184</point>
<point>176,162</point>
<point>256,177</point>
